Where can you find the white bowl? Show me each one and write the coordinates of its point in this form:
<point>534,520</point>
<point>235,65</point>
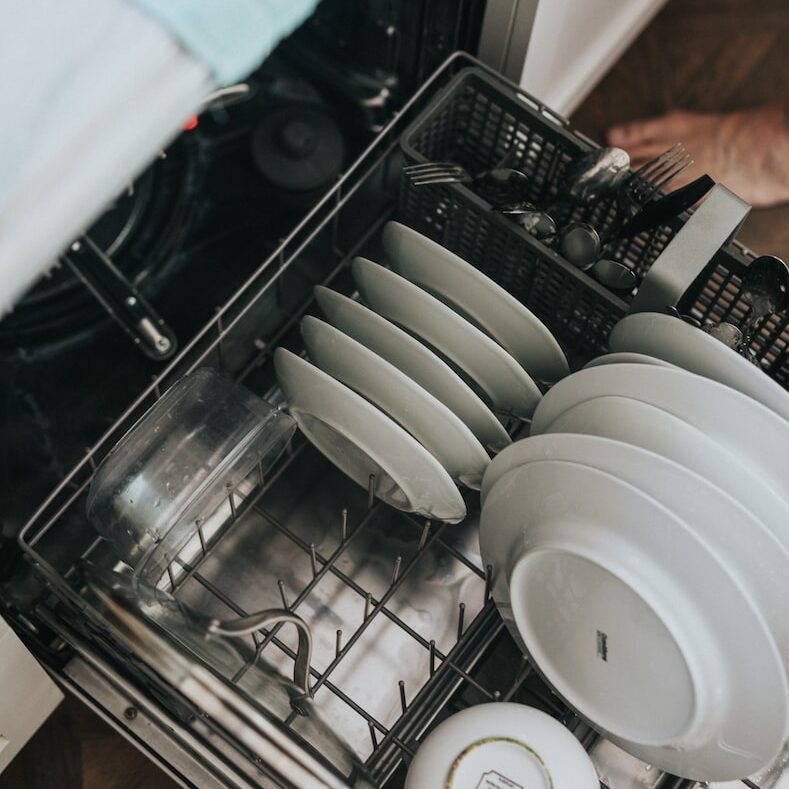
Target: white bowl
<point>501,745</point>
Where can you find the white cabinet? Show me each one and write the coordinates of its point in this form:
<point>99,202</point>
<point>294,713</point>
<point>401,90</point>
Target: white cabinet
<point>573,43</point>
<point>27,695</point>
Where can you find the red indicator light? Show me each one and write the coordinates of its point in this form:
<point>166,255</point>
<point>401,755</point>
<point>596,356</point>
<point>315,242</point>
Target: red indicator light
<point>190,123</point>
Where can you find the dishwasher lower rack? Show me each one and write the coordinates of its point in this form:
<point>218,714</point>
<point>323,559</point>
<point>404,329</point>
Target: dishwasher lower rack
<point>405,631</point>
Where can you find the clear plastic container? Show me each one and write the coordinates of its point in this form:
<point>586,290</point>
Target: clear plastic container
<point>171,473</point>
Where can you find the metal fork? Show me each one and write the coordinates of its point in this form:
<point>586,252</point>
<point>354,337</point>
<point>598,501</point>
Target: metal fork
<point>644,184</point>
<point>500,185</point>
<point>651,177</point>
<point>439,173</point>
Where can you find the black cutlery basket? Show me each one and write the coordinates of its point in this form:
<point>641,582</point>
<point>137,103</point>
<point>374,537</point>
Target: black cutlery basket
<point>480,122</point>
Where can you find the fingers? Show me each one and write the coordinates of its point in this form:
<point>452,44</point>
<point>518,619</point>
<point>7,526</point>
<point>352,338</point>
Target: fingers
<point>636,132</point>
<point>642,133</point>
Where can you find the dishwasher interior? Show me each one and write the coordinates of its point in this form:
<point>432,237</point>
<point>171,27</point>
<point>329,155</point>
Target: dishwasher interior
<point>403,626</point>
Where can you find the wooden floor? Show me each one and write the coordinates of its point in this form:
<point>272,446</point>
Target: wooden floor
<point>75,749</point>
<point>696,55</point>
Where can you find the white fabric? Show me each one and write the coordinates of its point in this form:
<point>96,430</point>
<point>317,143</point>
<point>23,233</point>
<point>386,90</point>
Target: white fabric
<point>90,90</point>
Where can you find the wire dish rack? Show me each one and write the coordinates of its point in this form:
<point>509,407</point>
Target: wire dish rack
<point>404,627</point>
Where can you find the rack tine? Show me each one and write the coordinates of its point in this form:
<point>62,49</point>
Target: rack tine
<point>368,604</point>
<point>488,581</point>
<point>461,617</point>
<point>231,499</point>
<point>170,575</point>
<point>201,536</point>
<point>344,524</point>
<point>313,560</point>
<point>338,642</point>
<point>261,474</point>
<point>424,535</point>
<point>281,585</point>
<point>396,569</point>
<point>371,726</point>
<point>403,704</point>
<point>370,491</point>
<point>432,657</point>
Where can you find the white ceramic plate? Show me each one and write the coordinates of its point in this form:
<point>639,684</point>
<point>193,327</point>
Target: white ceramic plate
<point>505,383</point>
<point>361,440</point>
<point>633,621</point>
<point>428,420</point>
<point>504,745</point>
<point>757,435</point>
<point>686,346</point>
<point>748,548</point>
<point>627,358</point>
<point>478,298</point>
<point>648,427</point>
<point>416,360</point>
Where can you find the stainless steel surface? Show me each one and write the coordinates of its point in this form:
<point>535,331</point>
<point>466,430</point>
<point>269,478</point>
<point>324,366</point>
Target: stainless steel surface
<point>713,223</point>
<point>595,174</point>
<point>537,223</point>
<point>727,333</point>
<point>579,242</point>
<point>614,275</point>
<point>409,580</point>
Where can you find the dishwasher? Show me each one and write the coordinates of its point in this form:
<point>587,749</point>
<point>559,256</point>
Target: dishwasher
<point>404,629</point>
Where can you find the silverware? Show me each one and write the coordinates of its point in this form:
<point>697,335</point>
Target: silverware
<point>499,185</point>
<point>614,275</point>
<point>595,174</point>
<point>727,333</point>
<point>538,223</point>
<point>664,209</point>
<point>650,178</point>
<point>580,243</point>
<point>764,287</point>
<point>675,313</point>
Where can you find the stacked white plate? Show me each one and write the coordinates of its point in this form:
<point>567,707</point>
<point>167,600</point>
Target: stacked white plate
<point>640,547</point>
<point>501,746</point>
<point>405,394</point>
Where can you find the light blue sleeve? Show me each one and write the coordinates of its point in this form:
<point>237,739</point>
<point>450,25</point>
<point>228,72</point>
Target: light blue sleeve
<point>232,37</point>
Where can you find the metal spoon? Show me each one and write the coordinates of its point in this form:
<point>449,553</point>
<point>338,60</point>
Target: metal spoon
<point>537,223</point>
<point>595,174</point>
<point>579,242</point>
<point>727,333</point>
<point>675,313</point>
<point>501,185</point>
<point>764,287</point>
<point>614,275</point>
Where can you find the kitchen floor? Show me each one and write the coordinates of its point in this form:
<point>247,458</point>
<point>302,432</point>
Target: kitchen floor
<point>695,55</point>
